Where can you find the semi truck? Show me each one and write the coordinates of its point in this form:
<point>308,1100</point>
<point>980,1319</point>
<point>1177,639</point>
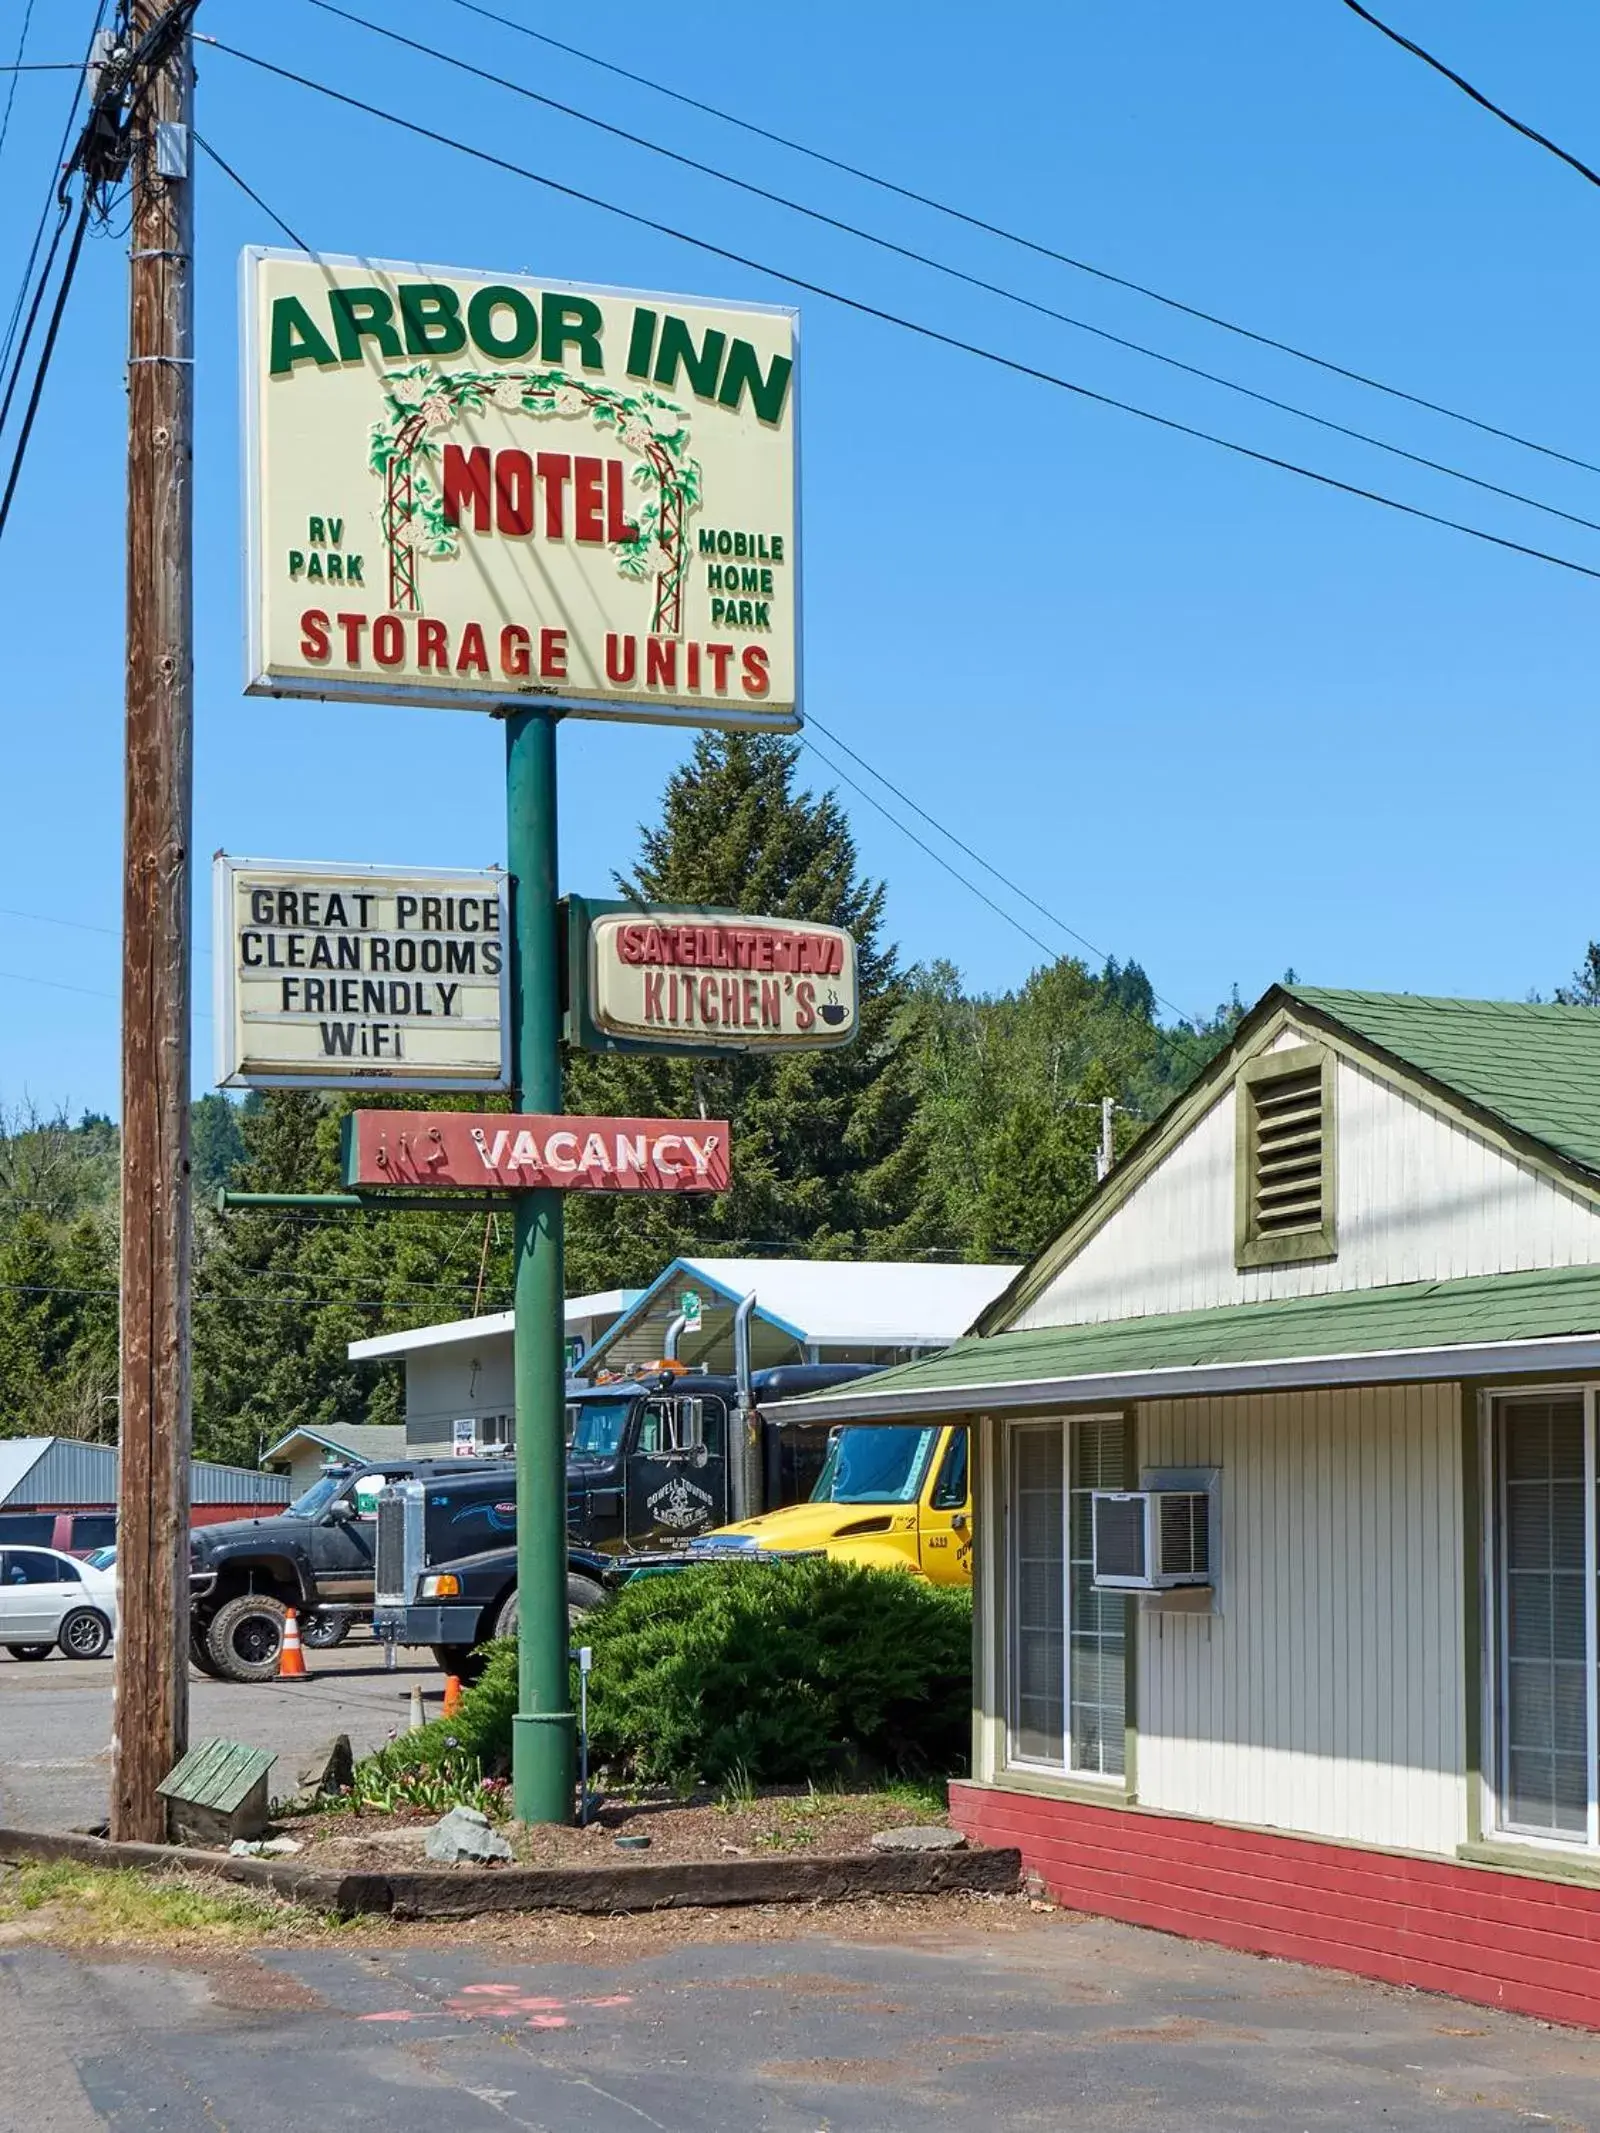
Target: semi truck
<point>885,1496</point>
<point>652,1462</point>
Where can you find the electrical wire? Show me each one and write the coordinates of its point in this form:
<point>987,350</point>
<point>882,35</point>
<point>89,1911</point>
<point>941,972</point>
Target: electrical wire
<point>1529,133</point>
<point>937,857</point>
<point>100,159</point>
<point>928,333</point>
<point>1027,244</point>
<point>14,70</point>
<point>44,212</point>
<point>237,1296</point>
<point>19,450</point>
<point>17,977</point>
<point>988,866</point>
<point>250,192</point>
<point>959,274</point>
<point>15,377</point>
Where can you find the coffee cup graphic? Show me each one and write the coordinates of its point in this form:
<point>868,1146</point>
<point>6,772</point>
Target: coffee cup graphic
<point>832,1012</point>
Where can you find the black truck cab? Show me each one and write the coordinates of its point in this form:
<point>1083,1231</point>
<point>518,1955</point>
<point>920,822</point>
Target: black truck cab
<point>647,1458</point>
<point>647,1468</point>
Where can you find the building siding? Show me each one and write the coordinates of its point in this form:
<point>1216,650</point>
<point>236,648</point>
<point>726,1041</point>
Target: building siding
<point>1418,1197</point>
<point>69,1472</point>
<point>1326,1695</point>
<point>1495,1938</point>
<point>444,1385</point>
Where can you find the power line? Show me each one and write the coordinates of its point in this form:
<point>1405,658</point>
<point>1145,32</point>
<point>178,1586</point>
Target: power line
<point>1029,244</point>
<point>1529,133</point>
<point>237,1296</point>
<point>938,858</point>
<point>939,266</point>
<point>988,866</point>
<point>44,212</point>
<point>19,450</point>
<point>250,192</point>
<point>75,925</point>
<point>14,70</point>
<point>927,333</point>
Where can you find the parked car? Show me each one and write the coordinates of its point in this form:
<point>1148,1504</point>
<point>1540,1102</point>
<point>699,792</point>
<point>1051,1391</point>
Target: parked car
<point>73,1532</point>
<point>48,1600</point>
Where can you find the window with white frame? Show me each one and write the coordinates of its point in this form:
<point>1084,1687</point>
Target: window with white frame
<point>1546,1672</point>
<point>497,1433</point>
<point>1066,1643</point>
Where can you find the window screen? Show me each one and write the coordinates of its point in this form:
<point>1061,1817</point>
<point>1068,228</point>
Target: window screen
<point>1098,1620</point>
<point>1038,1593</point>
<point>1545,1616</point>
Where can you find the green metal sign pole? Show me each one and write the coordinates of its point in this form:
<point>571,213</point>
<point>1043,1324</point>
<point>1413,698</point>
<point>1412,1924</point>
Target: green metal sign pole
<point>544,1731</point>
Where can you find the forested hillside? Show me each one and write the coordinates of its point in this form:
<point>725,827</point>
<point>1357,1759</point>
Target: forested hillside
<point>960,1125</point>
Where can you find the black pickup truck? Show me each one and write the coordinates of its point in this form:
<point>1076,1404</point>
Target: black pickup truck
<point>647,1470</point>
<point>317,1556</point>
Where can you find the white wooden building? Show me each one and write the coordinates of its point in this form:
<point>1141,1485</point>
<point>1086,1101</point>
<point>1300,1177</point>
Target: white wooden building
<point>458,1375</point>
<point>1346,1293</point>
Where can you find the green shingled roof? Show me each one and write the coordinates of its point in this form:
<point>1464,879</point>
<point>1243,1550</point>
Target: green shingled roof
<point>1486,1309</point>
<point>1536,1067</point>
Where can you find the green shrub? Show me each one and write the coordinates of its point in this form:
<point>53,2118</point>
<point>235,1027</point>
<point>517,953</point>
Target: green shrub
<point>760,1673</point>
<point>479,1732</point>
<point>778,1672</point>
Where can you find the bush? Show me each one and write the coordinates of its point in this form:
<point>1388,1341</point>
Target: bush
<point>479,1732</point>
<point>767,1673</point>
<point>782,1672</point>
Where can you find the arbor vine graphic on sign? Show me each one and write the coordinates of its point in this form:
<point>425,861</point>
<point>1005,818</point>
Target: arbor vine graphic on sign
<point>422,402</point>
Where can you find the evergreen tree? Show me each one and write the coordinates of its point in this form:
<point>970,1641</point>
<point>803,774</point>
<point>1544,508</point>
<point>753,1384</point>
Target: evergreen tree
<point>281,1292</point>
<point>826,1162</point>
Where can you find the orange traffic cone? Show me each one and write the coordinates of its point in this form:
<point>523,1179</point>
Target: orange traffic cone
<point>452,1695</point>
<point>291,1659</point>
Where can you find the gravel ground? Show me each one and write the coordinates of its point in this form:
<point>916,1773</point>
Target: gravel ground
<point>786,1822</point>
<point>55,1723</point>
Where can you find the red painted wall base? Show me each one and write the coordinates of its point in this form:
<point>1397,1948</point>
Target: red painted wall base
<point>1477,1933</point>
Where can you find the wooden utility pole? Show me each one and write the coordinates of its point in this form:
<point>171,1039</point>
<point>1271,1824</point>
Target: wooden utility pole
<point>152,1677</point>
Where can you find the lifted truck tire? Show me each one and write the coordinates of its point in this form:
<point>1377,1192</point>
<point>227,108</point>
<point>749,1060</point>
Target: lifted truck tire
<point>200,1656</point>
<point>246,1636</point>
<point>30,1651</point>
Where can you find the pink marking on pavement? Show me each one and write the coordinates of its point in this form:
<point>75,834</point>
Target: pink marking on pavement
<point>398,2014</point>
<point>548,2022</point>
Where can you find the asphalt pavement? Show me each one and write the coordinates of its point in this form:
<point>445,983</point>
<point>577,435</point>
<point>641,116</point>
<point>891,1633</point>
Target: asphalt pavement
<point>55,1723</point>
<point>1061,2023</point>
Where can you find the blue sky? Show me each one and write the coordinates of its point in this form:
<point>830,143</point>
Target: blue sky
<point>1214,717</point>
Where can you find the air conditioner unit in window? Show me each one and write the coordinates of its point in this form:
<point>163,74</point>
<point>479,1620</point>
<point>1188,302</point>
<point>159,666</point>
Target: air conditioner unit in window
<point>1150,1540</point>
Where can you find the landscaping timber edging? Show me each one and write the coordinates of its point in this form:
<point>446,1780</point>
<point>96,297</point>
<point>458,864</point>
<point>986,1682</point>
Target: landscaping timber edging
<point>468,1892</point>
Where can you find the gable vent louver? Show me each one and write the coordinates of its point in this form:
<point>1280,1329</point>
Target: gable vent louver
<point>1288,1168</point>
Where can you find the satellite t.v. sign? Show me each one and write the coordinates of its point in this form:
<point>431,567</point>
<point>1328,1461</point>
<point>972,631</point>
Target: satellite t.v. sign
<point>467,489</point>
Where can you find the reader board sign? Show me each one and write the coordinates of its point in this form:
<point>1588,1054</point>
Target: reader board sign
<point>524,1151</point>
<point>360,977</point>
<point>680,979</point>
<point>467,488</point>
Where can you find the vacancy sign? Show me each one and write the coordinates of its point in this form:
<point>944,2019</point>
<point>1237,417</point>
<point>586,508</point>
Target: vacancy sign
<point>333,977</point>
<point>715,981</point>
<point>501,1150</point>
<point>466,488</point>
